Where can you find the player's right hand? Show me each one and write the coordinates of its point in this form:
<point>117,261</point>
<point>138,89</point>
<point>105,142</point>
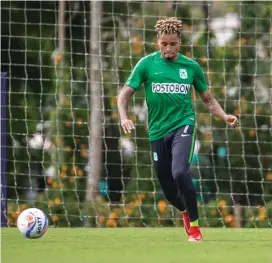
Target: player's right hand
<point>127,125</point>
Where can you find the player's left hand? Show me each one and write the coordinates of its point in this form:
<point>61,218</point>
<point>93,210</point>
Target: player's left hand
<point>232,121</point>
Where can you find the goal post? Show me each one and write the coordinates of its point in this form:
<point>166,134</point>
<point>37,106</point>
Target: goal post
<point>3,149</point>
<point>231,168</point>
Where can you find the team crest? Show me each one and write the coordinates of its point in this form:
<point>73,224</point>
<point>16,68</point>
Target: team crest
<point>183,73</point>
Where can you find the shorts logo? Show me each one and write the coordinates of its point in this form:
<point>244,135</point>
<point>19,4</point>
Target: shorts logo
<point>183,73</point>
<point>155,156</point>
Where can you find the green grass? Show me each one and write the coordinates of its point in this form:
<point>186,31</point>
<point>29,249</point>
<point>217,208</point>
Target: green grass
<point>141,245</point>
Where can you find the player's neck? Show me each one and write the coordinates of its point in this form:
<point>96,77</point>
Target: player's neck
<point>172,59</point>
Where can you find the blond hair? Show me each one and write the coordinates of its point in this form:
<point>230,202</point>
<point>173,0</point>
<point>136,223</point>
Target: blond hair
<point>169,26</point>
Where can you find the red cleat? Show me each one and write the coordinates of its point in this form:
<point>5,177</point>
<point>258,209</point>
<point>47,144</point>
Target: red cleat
<point>195,234</point>
<point>186,222</point>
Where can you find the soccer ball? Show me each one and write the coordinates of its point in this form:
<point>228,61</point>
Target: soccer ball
<point>32,223</point>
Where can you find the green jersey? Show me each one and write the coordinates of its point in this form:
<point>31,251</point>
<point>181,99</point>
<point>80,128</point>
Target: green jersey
<point>168,86</point>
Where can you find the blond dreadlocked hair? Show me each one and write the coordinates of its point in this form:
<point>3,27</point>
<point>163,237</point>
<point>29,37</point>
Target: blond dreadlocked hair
<point>169,26</point>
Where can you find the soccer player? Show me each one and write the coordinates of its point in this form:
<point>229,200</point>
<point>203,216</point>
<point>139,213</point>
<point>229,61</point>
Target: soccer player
<point>168,78</point>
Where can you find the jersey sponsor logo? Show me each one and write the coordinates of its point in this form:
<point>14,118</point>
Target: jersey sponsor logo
<point>170,88</point>
<point>183,73</point>
<point>156,73</point>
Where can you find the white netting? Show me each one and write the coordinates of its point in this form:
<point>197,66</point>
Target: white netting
<point>47,53</point>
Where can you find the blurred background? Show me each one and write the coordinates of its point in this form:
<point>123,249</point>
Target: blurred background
<point>62,149</point>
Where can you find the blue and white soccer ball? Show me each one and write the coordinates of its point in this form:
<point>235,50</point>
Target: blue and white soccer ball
<point>32,223</point>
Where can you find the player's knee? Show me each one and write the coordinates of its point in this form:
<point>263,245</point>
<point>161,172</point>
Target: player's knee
<point>180,174</point>
<point>170,197</point>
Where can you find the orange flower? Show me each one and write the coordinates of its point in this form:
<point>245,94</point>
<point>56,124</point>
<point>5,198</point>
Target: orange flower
<point>67,149</point>
<point>107,205</point>
<point>14,214</point>
<point>83,146</point>
<point>213,212</point>
<point>49,180</point>
<point>113,215</point>
<point>233,223</point>
<point>269,177</point>
<point>64,167</point>
<point>252,132</point>
<point>80,173</point>
<point>162,206</point>
<point>140,22</point>
<point>222,203</point>
<point>63,175</point>
<point>55,185</point>
<point>136,45</point>
<point>236,112</point>
<point>262,213</point>
<point>224,211</point>
<point>79,122</point>
<point>128,211</point>
<point>235,52</point>
<point>57,201</point>
<point>114,99</point>
<point>74,169</point>
<point>71,180</point>
<point>142,195</point>
<point>23,207</point>
<point>83,153</point>
<point>229,219</point>
<point>138,202</point>
<point>68,124</point>
<point>152,194</point>
<point>50,203</point>
<point>257,110</point>
<point>132,118</point>
<point>243,41</point>
<point>101,219</point>
<point>58,57</point>
<point>111,222</point>
<point>114,115</point>
<point>130,204</point>
<point>203,60</point>
<point>58,140</point>
<point>55,218</point>
<point>40,197</point>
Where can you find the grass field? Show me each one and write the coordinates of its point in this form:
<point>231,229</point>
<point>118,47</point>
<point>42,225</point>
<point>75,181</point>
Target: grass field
<point>141,245</point>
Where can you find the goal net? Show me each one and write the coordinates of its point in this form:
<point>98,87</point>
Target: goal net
<point>62,58</point>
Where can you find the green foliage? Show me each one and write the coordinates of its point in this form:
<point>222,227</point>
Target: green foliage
<point>139,210</point>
